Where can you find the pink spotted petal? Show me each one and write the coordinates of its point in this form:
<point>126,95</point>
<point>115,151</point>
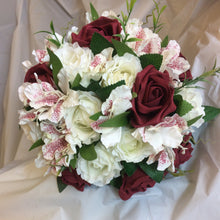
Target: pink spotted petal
<point>49,128</point>
<point>163,161</point>
<point>54,114</point>
<point>179,65</point>
<point>50,149</point>
<point>26,116</point>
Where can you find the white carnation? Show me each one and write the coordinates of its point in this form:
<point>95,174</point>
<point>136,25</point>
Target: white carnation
<point>193,96</point>
<point>101,170</point>
<point>132,149</point>
<point>77,119</point>
<point>123,67</point>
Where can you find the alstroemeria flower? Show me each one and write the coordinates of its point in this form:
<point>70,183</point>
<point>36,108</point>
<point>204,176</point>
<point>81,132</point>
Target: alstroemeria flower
<point>101,170</point>
<point>117,103</point>
<point>172,62</point>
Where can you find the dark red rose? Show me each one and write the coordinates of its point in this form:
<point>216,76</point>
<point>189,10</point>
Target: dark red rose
<point>186,75</point>
<point>73,179</point>
<point>138,182</point>
<point>105,26</point>
<point>182,157</point>
<point>43,72</point>
<point>154,98</point>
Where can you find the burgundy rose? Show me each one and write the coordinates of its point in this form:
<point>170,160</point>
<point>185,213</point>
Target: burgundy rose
<point>138,182</point>
<point>73,179</point>
<point>43,72</point>
<point>186,75</point>
<point>154,98</point>
<point>105,26</point>
<point>181,155</point>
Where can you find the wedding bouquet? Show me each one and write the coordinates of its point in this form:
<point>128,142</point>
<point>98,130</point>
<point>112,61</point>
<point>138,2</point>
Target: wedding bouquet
<point>112,103</point>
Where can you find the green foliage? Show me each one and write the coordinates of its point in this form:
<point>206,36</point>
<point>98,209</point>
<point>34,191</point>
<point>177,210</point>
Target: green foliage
<point>210,113</point>
<point>56,65</point>
<point>129,168</point>
<point>165,41</point>
<point>104,92</point>
<point>76,82</point>
<point>99,43</point>
<point>36,144</point>
<point>181,172</point>
<point>116,182</point>
<point>156,13</point>
<point>122,48</point>
<point>73,162</point>
<point>183,107</point>
<point>61,186</point>
<point>151,59</point>
<point>151,171</point>
<point>95,116</point>
<point>94,13</point>
<point>194,120</point>
<point>88,152</point>
<point>117,121</point>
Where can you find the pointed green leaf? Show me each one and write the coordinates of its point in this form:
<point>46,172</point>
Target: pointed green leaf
<point>117,121</point>
<point>151,171</point>
<point>133,39</point>
<point>122,48</point>
<point>99,43</point>
<point>73,162</point>
<point>96,116</point>
<point>194,120</point>
<point>48,32</point>
<point>88,152</point>
<point>36,144</point>
<point>76,81</point>
<point>151,59</point>
<point>116,182</point>
<point>55,42</point>
<point>56,65</point>
<point>61,186</point>
<point>129,168</point>
<point>94,13</point>
<point>210,113</point>
<point>52,27</point>
<point>103,93</point>
<point>183,107</point>
<point>164,43</point>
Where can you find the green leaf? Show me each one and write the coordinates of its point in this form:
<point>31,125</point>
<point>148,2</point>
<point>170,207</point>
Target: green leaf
<point>151,59</point>
<point>183,107</point>
<point>76,81</point>
<point>194,120</point>
<point>94,13</point>
<point>129,168</point>
<point>88,152</point>
<point>36,144</point>
<point>48,32</point>
<point>52,27</point>
<point>162,9</point>
<point>73,162</point>
<point>151,171</point>
<point>164,43</point>
<point>103,93</point>
<point>132,4</point>
<point>61,186</point>
<point>122,48</point>
<point>57,43</point>
<point>133,39</point>
<point>210,113</point>
<point>95,116</point>
<point>56,65</point>
<point>99,43</point>
<point>117,121</point>
<point>116,182</point>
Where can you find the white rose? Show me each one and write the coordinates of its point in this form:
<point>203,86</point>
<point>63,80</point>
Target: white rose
<point>123,67</point>
<point>101,170</point>
<point>77,119</point>
<point>132,149</point>
<point>75,59</point>
<point>193,96</point>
